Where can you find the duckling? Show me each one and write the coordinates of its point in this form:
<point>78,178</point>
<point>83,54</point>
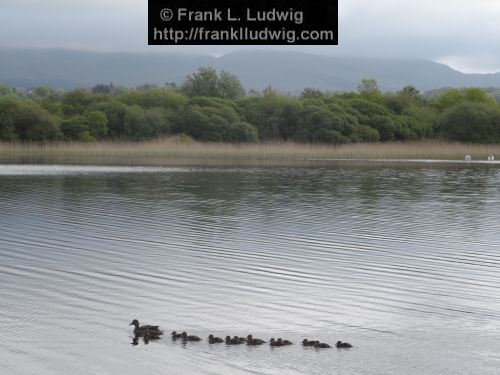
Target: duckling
<point>306,342</point>
<point>321,345</point>
<point>273,342</point>
<point>185,337</point>
<point>176,335</point>
<point>282,342</point>
<point>341,345</point>
<point>140,330</point>
<point>230,341</point>
<point>252,341</point>
<point>214,340</point>
<point>240,340</point>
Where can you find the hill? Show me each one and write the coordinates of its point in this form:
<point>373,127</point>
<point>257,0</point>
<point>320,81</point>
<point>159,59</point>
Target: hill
<point>286,71</point>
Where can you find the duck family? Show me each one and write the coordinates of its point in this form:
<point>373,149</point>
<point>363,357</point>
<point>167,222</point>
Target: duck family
<point>150,332</point>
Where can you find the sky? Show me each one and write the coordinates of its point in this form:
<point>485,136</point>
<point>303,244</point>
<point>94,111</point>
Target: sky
<point>461,33</point>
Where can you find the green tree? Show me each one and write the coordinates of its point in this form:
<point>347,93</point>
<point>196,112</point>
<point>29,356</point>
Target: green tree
<point>471,122</point>
<point>365,110</point>
<point>410,91</point>
<point>42,92</point>
<point>155,97</point>
<point>76,128</point>
<point>159,121</point>
<point>115,113</point>
<point>206,119</point>
<point>265,113</point>
<point>407,97</point>
<point>477,95</point>
<point>206,82</point>
<point>78,101</point>
<point>134,124</point>
<point>449,99</point>
<point>97,124</point>
<point>229,86</point>
<point>5,89</point>
<point>9,110</point>
<point>26,120</point>
<point>243,132</point>
<point>202,83</point>
<point>103,89</point>
<point>369,87</point>
<point>364,133</point>
<point>385,126</point>
<point>318,125</point>
<point>424,119</point>
<point>309,93</point>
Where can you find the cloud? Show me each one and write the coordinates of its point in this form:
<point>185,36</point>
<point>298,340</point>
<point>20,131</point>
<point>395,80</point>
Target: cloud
<point>460,32</point>
<point>439,30</point>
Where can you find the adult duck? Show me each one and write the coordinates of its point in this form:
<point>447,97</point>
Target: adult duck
<point>141,330</point>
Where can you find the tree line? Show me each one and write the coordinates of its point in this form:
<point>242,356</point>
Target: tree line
<point>213,107</point>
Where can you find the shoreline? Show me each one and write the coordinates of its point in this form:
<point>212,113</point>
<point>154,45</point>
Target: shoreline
<point>172,152</point>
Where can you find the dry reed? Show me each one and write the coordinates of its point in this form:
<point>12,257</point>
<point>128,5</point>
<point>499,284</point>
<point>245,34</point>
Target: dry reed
<point>174,151</point>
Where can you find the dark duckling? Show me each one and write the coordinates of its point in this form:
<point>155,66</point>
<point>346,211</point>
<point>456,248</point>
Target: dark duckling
<point>306,342</point>
<point>344,345</point>
<point>176,335</point>
<point>141,330</point>
<point>185,337</point>
<point>240,339</point>
<point>252,341</point>
<point>282,342</point>
<point>321,345</point>
<point>273,342</point>
<point>214,340</point>
<point>230,341</point>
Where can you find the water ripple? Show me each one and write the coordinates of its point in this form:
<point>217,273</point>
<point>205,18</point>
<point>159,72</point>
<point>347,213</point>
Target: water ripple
<point>403,254</point>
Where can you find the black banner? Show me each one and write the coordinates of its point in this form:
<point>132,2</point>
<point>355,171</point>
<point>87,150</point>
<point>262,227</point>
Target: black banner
<point>250,22</point>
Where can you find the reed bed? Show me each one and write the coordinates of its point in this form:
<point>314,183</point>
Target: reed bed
<point>174,151</point>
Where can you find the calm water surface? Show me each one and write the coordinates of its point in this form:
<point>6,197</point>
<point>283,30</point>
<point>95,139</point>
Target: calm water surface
<point>402,261</point>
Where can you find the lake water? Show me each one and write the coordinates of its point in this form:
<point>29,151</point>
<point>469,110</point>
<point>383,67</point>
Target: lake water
<point>402,261</point>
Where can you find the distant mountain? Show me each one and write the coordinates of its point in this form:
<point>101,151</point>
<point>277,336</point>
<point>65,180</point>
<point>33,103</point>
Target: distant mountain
<point>286,71</point>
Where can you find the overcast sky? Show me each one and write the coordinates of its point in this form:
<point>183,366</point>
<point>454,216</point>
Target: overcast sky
<point>462,33</point>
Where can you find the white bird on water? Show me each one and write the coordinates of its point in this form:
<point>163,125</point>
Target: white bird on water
<point>491,158</point>
<point>468,158</point>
